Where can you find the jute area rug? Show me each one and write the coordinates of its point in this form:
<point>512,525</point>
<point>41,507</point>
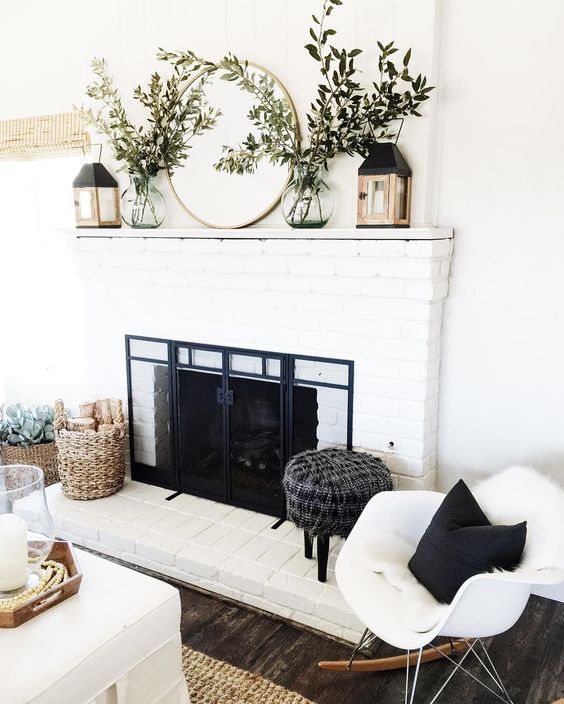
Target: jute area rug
<point>214,682</point>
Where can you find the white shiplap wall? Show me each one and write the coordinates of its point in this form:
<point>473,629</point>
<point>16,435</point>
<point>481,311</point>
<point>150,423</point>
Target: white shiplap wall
<point>53,64</point>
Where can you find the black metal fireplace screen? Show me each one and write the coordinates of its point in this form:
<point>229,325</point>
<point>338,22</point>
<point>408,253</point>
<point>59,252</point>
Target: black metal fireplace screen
<point>221,422</point>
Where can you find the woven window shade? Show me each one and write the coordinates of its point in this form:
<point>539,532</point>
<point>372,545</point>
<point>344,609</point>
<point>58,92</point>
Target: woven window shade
<point>48,136</point>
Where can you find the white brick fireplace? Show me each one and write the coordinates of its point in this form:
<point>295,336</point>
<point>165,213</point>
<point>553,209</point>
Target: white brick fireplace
<point>374,297</point>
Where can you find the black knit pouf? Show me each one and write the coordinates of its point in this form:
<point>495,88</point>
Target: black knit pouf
<point>327,490</point>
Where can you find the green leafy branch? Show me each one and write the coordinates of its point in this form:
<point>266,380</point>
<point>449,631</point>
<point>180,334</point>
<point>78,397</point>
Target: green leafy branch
<point>343,117</point>
<point>175,115</point>
<point>277,135</point>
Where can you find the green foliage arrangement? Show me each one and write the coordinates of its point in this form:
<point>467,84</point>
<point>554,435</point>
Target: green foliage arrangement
<point>343,117</point>
<point>23,426</point>
<point>175,116</point>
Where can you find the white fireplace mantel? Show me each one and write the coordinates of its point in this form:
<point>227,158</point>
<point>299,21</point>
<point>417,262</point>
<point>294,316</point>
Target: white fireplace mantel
<point>271,233</point>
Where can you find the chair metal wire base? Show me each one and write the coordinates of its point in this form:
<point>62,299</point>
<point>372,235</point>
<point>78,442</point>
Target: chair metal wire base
<point>485,662</point>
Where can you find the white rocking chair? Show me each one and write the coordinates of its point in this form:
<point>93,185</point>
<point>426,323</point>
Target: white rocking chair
<point>484,606</point>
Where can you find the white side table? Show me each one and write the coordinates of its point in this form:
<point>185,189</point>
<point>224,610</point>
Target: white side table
<point>116,642</point>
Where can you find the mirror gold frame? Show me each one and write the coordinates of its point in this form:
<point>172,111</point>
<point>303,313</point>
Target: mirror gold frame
<point>277,199</point>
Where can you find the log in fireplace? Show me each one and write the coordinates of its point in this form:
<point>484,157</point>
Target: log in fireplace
<point>221,422</point>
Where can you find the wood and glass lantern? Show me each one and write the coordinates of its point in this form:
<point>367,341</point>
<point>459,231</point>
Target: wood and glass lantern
<point>384,188</point>
<point>96,197</point>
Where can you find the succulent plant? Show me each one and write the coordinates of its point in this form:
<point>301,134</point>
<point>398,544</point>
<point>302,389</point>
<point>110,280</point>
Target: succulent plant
<point>26,426</point>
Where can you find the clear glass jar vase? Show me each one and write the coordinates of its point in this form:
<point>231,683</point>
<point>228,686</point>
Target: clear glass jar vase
<point>308,201</point>
<point>142,204</point>
<point>26,528</point>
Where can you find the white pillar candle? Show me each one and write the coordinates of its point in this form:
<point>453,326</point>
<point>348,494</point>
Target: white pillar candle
<point>13,552</point>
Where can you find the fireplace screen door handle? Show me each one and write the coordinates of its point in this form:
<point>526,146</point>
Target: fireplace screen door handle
<point>225,398</point>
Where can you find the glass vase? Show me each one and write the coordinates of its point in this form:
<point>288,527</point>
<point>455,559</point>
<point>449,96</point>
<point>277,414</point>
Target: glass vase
<point>142,204</point>
<point>26,528</point>
<point>308,201</point>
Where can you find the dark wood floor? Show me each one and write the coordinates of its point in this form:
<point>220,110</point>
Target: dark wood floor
<point>529,657</point>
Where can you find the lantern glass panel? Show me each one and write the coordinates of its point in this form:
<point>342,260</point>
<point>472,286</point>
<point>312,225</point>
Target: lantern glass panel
<point>401,198</point>
<point>107,201</point>
<point>376,197</point>
<point>86,205</point>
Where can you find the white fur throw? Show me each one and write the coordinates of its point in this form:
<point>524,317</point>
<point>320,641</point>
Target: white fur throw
<point>514,495</point>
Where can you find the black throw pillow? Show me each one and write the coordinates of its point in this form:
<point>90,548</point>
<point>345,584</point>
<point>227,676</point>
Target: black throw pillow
<point>460,542</point>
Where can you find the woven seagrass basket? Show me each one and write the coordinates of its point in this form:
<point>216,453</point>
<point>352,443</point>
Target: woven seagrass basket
<point>91,465</point>
<point>43,456</point>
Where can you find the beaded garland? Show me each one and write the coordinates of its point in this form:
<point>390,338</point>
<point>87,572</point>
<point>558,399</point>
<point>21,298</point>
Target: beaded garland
<point>53,573</point>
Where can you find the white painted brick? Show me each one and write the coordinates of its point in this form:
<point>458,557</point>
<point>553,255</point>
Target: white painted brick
<point>311,265</point>
<point>245,576</point>
<point>429,248</point>
<point>258,522</point>
<point>426,290</point>
<point>296,319</point>
<point>378,328</point>
<point>162,244</point>
<point>149,517</point>
<point>424,483</point>
<point>127,244</point>
<point>191,528</point>
<point>211,535</point>
<point>415,410</point>
<point>225,264</point>
<point>250,282</point>
<point>259,602</point>
<point>239,247</point>
<point>412,350</point>
<point>255,547</point>
<point>445,269</point>
<point>158,548</point>
<point>197,245</point>
<point>278,556</point>
<point>277,300</point>
<point>315,302</point>
<point>166,278</point>
<point>266,264</point>
<point>380,288</point>
<point>300,284</point>
<point>332,607</point>
<point>405,268</point>
<point>336,286</point>
<point>85,524</point>
<point>298,565</point>
<point>357,266</point>
<point>382,248</point>
<point>121,536</point>
<point>93,244</point>
<point>405,310</point>
<point>286,247</point>
<point>337,248</point>
<point>289,590</point>
<point>233,541</point>
<point>199,561</point>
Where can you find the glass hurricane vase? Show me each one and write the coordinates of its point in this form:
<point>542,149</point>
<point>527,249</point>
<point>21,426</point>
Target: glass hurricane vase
<point>308,201</point>
<point>142,204</point>
<point>26,528</point>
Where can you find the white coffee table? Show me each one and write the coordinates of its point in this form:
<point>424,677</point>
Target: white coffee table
<point>116,642</point>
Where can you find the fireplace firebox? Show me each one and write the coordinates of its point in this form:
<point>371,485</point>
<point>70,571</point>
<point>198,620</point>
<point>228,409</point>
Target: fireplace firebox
<point>221,422</point>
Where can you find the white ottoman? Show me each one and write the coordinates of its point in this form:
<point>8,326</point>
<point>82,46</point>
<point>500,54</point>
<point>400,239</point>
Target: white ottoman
<point>116,642</point>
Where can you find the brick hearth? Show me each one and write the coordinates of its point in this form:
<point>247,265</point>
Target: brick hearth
<point>225,550</point>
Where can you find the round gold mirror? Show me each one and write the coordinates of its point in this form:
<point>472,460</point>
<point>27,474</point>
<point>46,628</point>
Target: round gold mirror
<point>216,198</point>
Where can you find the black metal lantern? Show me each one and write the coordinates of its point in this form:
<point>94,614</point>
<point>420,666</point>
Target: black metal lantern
<point>384,188</point>
<point>96,197</point>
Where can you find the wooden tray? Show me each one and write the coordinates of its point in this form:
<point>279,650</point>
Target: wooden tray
<point>61,552</point>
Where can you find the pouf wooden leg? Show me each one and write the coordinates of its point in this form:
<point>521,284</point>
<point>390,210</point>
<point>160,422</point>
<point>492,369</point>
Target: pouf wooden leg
<point>322,557</point>
<point>308,545</point>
